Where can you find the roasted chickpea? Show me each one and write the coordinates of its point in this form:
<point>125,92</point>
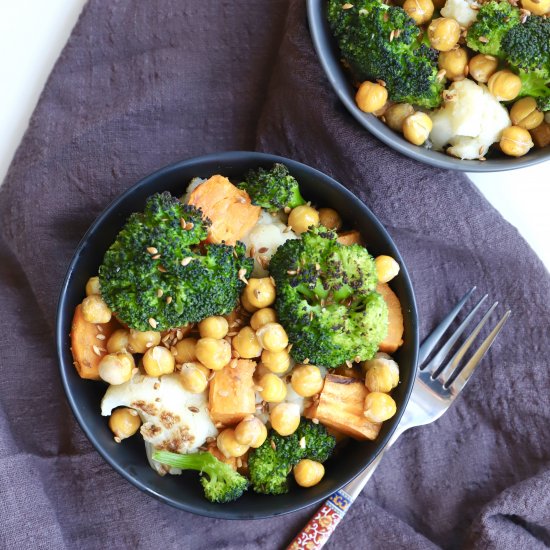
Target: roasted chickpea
<point>116,368</point>
<point>140,342</point>
<point>285,418</point>
<point>330,218</point>
<point>454,63</point>
<point>246,304</point>
<point>443,33</point>
<point>262,317</point>
<point>273,389</point>
<point>92,286</point>
<point>251,432</point>
<point>214,327</point>
<point>481,67</point>
<point>158,360</point>
<point>536,7</point>
<point>185,350</point>
<point>308,473</point>
<point>524,113</point>
<point>379,407</point>
<point>504,85</point>
<point>417,128</point>
<point>194,377</point>
<point>246,343</point>
<point>386,268</point>
<point>212,353</point>
<point>260,292</point>
<point>124,422</point>
<point>307,380</point>
<point>382,375</point>
<point>302,218</point>
<point>515,141</point>
<point>420,10</point>
<point>118,341</point>
<point>276,361</point>
<point>95,310</point>
<point>228,444</point>
<point>371,97</point>
<point>272,336</point>
<point>396,115</point>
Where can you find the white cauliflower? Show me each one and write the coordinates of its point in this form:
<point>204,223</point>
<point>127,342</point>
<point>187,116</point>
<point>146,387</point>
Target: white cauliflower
<point>195,182</point>
<point>461,11</point>
<point>470,121</point>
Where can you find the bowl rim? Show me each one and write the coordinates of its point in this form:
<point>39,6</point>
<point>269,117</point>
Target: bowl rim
<point>333,71</point>
<point>226,158</point>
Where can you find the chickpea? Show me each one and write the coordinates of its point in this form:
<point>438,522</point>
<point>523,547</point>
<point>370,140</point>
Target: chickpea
<point>246,344</point>
<point>285,418</point>
<point>371,97</point>
<point>185,350</point>
<point>251,432</point>
<point>302,218</point>
<point>330,218</point>
<point>92,286</point>
<point>386,268</point>
<point>140,342</point>
<point>260,292</point>
<point>536,7</point>
<point>272,336</point>
<point>524,113</point>
<point>118,341</point>
<point>194,377</point>
<point>124,422</point>
<point>276,361</point>
<point>95,310</point>
<point>515,141</point>
<point>273,388</point>
<point>417,128</point>
<point>228,444</point>
<point>382,375</point>
<point>307,380</point>
<point>379,407</point>
<point>396,115</point>
<point>481,67</point>
<point>454,63</point>
<point>420,10</point>
<point>158,360</point>
<point>246,304</point>
<point>504,85</point>
<point>443,33</point>
<point>262,317</point>
<point>213,354</point>
<point>308,473</point>
<point>214,327</point>
<point>116,368</point>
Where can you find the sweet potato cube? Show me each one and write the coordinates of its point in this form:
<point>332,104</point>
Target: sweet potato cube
<point>341,405</point>
<point>232,394</point>
<point>350,237</point>
<point>229,209</point>
<point>394,339</point>
<point>541,135</point>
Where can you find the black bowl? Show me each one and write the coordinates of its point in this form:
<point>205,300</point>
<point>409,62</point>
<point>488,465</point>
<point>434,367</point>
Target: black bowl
<point>128,458</point>
<point>328,53</point>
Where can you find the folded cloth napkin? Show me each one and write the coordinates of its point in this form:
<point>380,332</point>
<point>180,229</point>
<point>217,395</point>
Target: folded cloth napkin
<point>142,84</point>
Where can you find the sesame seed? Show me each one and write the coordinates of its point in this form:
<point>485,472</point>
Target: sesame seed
<point>186,261</point>
<point>483,40</point>
<point>100,336</point>
<point>239,463</point>
<point>161,268</point>
<point>179,334</point>
<point>117,439</point>
<point>152,250</point>
<point>273,446</point>
<point>193,409</point>
<point>168,299</point>
<point>305,361</point>
<point>100,328</point>
<point>349,364</point>
<point>152,322</point>
<point>155,257</point>
<point>96,349</point>
<point>242,273</point>
<point>303,443</point>
<point>357,359</point>
<point>392,35</point>
<point>315,420</point>
<point>291,272</point>
<point>317,267</point>
<point>160,293</point>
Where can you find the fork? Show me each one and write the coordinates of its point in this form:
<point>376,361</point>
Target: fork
<point>436,386</point>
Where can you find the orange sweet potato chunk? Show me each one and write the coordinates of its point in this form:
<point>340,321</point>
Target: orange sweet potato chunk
<point>229,209</point>
<point>350,237</point>
<point>394,339</point>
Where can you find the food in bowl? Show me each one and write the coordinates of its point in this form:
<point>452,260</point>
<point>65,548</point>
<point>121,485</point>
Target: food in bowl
<point>460,76</point>
<point>242,332</point>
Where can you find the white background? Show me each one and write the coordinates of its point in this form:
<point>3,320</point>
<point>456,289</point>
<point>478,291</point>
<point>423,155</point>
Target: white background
<point>33,33</point>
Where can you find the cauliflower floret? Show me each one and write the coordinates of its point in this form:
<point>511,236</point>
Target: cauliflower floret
<point>461,11</point>
<point>195,182</point>
<point>471,121</point>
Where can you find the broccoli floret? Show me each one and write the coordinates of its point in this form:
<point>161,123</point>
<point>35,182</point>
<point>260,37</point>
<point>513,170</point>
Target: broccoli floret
<point>494,20</point>
<point>156,270</point>
<point>406,64</point>
<point>270,464</point>
<point>534,85</point>
<point>326,299</point>
<point>220,482</point>
<point>272,189</point>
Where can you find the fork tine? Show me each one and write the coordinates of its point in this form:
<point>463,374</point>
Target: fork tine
<point>466,373</point>
<point>431,341</point>
<point>450,368</point>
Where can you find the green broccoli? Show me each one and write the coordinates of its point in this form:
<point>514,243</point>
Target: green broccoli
<point>270,464</point>
<point>272,189</point>
<point>220,482</point>
<point>326,299</point>
<point>536,86</point>
<point>381,42</point>
<point>156,275</point>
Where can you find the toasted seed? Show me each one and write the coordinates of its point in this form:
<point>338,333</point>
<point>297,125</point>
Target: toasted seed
<point>152,322</point>
<point>193,409</point>
<point>182,223</point>
<point>349,364</point>
<point>152,250</point>
<point>315,420</point>
<point>161,268</point>
<point>100,336</point>
<point>303,443</point>
<point>168,299</point>
<point>99,327</point>
<point>186,261</point>
<point>117,439</point>
<point>483,40</point>
<point>305,361</point>
<point>273,446</point>
<point>263,249</point>
<point>159,293</point>
<point>189,225</point>
<point>291,272</point>
<point>97,350</point>
<point>242,273</point>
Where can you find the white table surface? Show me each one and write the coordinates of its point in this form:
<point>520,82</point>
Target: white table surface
<point>33,33</point>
